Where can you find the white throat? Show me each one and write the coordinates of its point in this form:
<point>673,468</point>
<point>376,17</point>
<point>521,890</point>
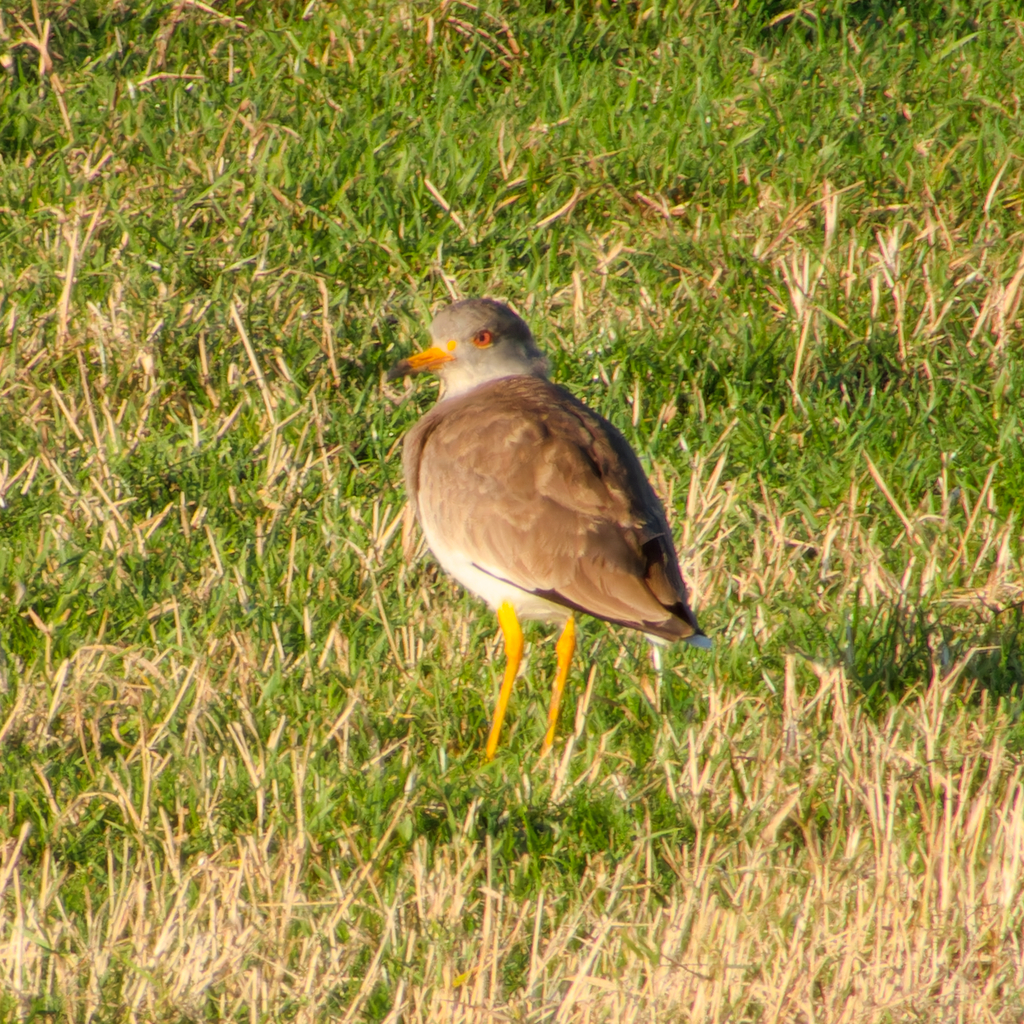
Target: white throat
<point>458,378</point>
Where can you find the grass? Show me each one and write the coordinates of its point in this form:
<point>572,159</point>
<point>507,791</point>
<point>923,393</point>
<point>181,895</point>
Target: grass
<point>241,711</point>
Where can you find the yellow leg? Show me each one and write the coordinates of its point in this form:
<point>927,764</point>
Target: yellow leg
<point>564,649</point>
<point>513,634</point>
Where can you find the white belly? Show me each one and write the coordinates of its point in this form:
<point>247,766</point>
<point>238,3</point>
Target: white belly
<point>490,588</point>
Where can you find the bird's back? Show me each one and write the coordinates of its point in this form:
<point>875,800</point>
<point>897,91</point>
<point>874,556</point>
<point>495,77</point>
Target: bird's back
<point>535,490</point>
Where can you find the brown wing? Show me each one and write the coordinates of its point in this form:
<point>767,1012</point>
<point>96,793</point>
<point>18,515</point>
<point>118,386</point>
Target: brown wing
<point>542,492</point>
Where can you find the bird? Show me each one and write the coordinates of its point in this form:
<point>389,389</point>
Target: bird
<point>532,500</point>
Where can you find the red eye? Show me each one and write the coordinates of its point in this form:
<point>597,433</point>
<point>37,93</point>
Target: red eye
<point>482,339</point>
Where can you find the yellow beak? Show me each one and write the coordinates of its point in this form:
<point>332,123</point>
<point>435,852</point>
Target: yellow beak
<point>428,359</point>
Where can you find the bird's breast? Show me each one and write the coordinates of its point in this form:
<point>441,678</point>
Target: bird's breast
<point>487,583</point>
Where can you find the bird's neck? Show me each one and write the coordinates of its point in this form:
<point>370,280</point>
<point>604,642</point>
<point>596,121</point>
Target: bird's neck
<point>460,380</point>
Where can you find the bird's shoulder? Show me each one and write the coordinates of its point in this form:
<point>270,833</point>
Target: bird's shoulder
<point>529,425</point>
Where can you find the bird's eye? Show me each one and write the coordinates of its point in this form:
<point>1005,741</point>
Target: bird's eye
<point>482,339</point>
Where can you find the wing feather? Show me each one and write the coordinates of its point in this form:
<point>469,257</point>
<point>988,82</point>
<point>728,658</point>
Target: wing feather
<point>544,493</point>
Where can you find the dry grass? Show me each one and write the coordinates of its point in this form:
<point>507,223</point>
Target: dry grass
<point>835,868</point>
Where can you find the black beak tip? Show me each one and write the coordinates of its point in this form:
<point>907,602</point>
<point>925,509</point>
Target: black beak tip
<point>400,369</point>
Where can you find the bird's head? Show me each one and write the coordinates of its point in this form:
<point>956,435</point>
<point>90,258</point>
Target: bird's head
<point>475,341</point>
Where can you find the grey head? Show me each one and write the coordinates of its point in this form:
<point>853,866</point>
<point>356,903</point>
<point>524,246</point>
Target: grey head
<point>475,341</point>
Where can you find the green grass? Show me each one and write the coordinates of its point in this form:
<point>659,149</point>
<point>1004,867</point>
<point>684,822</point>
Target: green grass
<point>242,711</point>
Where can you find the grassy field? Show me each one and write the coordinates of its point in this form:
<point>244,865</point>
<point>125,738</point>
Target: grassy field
<point>241,710</point>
